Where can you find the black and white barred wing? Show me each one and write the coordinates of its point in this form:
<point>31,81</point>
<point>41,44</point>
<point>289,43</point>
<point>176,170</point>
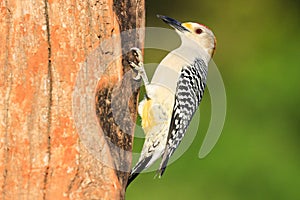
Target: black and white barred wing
<point>189,92</point>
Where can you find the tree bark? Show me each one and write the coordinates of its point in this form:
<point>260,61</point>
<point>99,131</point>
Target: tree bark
<point>68,101</point>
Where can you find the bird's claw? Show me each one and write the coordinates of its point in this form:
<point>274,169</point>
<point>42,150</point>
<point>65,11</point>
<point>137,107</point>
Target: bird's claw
<point>136,67</point>
<point>138,77</point>
<point>141,74</point>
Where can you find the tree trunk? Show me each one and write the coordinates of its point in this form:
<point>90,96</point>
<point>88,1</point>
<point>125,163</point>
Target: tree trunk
<point>68,101</point>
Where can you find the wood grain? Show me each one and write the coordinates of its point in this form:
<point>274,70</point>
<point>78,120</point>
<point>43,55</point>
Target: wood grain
<point>45,44</point>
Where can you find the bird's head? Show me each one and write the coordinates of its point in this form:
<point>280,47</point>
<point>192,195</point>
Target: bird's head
<point>198,33</point>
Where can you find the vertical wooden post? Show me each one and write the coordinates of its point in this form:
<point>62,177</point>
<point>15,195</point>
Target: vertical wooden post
<point>44,45</point>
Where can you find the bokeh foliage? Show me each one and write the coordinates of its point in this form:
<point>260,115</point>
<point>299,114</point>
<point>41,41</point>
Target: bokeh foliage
<point>257,156</point>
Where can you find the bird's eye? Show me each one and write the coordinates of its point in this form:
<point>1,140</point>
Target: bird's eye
<point>198,31</point>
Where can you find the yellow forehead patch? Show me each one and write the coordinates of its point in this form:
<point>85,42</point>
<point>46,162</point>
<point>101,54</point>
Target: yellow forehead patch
<point>188,25</point>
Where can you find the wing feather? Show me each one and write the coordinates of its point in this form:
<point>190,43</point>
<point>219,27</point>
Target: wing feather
<point>189,92</point>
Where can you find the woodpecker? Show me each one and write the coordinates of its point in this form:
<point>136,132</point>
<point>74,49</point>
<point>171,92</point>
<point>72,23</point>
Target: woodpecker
<point>174,93</point>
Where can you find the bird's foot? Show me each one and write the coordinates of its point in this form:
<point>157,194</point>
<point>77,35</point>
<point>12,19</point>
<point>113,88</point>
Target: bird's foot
<point>138,65</point>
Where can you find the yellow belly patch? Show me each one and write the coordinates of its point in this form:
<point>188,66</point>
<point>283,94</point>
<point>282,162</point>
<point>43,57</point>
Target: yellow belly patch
<point>147,116</point>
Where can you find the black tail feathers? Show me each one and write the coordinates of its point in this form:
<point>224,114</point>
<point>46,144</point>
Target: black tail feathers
<point>140,166</point>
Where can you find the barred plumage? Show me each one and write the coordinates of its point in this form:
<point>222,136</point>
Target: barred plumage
<point>189,92</point>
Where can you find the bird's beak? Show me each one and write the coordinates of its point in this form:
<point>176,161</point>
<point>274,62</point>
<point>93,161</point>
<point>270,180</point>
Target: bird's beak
<point>174,23</point>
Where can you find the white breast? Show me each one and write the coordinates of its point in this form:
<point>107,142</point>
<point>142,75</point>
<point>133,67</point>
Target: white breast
<point>168,71</point>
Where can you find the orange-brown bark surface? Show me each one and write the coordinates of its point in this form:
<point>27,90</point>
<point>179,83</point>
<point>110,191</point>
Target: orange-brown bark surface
<point>43,46</point>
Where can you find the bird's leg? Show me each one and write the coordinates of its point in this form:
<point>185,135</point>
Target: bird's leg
<point>138,65</point>
<point>141,74</point>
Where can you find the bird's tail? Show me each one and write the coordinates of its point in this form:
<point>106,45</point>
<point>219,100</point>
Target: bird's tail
<point>163,165</point>
<point>131,177</point>
<point>140,166</point>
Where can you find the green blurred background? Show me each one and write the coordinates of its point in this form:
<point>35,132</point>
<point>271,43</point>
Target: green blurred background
<point>257,155</point>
